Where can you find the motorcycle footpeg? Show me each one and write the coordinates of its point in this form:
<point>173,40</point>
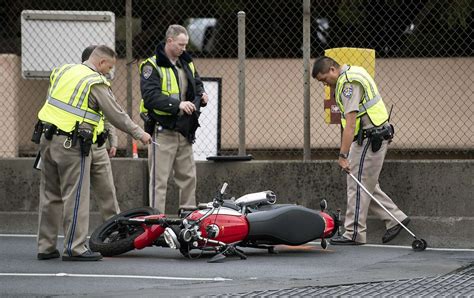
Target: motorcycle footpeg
<point>217,258</point>
<point>271,250</point>
<point>240,254</point>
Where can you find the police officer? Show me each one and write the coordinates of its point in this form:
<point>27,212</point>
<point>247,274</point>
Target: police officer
<point>365,138</point>
<point>172,93</point>
<point>78,96</point>
<point>102,181</point>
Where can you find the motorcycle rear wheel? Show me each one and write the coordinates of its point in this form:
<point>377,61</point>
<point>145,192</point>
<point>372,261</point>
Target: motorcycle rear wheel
<point>111,238</point>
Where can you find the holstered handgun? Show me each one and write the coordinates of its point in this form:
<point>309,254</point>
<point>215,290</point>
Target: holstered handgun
<point>102,138</point>
<point>378,135</point>
<point>360,136</point>
<point>85,141</point>
<point>148,123</point>
<point>75,134</point>
<point>376,143</point>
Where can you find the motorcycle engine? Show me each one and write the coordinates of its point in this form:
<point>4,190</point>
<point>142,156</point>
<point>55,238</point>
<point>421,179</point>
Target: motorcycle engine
<point>171,239</point>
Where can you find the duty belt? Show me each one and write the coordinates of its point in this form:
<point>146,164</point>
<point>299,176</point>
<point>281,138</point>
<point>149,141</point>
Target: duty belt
<point>366,133</point>
<point>48,126</point>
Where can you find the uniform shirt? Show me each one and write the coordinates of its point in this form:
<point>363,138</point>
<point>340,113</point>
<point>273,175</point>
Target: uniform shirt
<point>352,94</point>
<point>102,99</point>
<point>112,137</point>
<point>183,84</point>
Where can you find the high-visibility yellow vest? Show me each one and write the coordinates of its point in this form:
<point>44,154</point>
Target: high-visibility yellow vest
<point>371,103</point>
<point>68,97</point>
<point>169,83</point>
<point>101,126</point>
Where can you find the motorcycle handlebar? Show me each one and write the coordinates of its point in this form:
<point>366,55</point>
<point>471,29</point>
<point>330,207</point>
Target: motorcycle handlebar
<point>150,221</point>
<point>219,199</point>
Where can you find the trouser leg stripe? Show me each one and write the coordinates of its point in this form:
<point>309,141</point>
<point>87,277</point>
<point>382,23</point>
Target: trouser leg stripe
<point>76,208</point>
<point>153,183</point>
<point>359,176</point>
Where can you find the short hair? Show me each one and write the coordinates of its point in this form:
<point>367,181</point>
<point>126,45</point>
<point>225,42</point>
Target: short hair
<point>104,51</point>
<point>175,30</point>
<point>87,52</point>
<point>322,65</point>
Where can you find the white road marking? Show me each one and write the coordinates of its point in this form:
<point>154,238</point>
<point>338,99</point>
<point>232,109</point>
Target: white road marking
<point>312,242</point>
<point>62,274</point>
<point>407,247</point>
<point>23,235</point>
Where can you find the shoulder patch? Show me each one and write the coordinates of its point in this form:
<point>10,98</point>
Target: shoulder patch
<point>147,70</point>
<point>347,91</point>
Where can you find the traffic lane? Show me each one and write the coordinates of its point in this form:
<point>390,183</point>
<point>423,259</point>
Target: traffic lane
<point>146,270</point>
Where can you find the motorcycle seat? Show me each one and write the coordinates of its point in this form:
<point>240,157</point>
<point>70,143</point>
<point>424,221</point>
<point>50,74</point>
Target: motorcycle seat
<point>290,225</point>
<point>230,204</point>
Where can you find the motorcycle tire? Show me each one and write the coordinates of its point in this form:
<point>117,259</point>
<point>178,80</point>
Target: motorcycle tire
<point>111,238</point>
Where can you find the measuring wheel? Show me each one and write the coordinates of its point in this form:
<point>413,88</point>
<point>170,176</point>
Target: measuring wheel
<point>419,245</point>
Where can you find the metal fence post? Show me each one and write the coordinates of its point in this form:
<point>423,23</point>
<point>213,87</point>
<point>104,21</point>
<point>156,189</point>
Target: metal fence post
<point>306,78</point>
<point>241,54</point>
<point>128,43</point>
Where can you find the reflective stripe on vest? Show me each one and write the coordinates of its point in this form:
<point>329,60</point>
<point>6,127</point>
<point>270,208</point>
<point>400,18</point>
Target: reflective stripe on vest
<point>101,126</point>
<point>92,116</point>
<point>68,97</point>
<point>169,83</point>
<point>372,103</point>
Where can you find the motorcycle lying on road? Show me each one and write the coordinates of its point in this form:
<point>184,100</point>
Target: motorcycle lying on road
<point>221,226</point>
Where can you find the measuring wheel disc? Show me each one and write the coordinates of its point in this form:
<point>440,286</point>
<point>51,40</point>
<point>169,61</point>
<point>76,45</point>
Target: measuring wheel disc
<point>419,245</point>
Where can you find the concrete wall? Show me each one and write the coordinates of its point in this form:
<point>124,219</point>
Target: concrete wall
<point>431,98</point>
<point>437,195</point>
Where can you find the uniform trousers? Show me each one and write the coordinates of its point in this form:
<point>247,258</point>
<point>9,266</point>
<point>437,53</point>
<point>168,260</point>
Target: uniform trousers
<point>64,196</point>
<point>366,166</point>
<point>102,182</point>
<point>172,155</point>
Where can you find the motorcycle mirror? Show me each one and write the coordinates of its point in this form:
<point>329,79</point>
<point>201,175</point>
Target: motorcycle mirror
<point>224,186</point>
<point>323,204</point>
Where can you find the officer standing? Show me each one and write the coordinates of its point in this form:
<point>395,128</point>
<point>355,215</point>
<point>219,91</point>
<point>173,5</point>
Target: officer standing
<point>102,180</point>
<point>78,96</point>
<point>365,139</point>
<point>172,93</point>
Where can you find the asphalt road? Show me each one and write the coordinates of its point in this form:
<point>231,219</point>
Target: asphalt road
<point>154,272</point>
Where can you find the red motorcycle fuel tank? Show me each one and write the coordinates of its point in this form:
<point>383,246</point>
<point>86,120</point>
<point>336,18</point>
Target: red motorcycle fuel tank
<point>230,225</point>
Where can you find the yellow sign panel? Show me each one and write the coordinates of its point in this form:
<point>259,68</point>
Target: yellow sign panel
<point>352,56</point>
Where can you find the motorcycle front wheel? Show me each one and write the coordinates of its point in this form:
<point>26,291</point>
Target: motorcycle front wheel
<point>112,238</point>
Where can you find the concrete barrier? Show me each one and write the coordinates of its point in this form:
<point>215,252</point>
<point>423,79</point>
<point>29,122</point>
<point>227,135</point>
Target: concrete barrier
<point>436,194</point>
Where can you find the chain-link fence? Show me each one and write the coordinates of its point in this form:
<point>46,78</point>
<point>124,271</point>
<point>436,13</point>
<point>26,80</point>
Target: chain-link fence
<point>424,68</point>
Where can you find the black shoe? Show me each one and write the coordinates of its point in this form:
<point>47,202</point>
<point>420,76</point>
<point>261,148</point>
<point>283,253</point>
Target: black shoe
<point>86,256</point>
<point>391,233</point>
<point>341,240</point>
<point>47,256</point>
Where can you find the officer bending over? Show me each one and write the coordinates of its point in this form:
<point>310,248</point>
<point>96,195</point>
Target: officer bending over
<point>78,96</point>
